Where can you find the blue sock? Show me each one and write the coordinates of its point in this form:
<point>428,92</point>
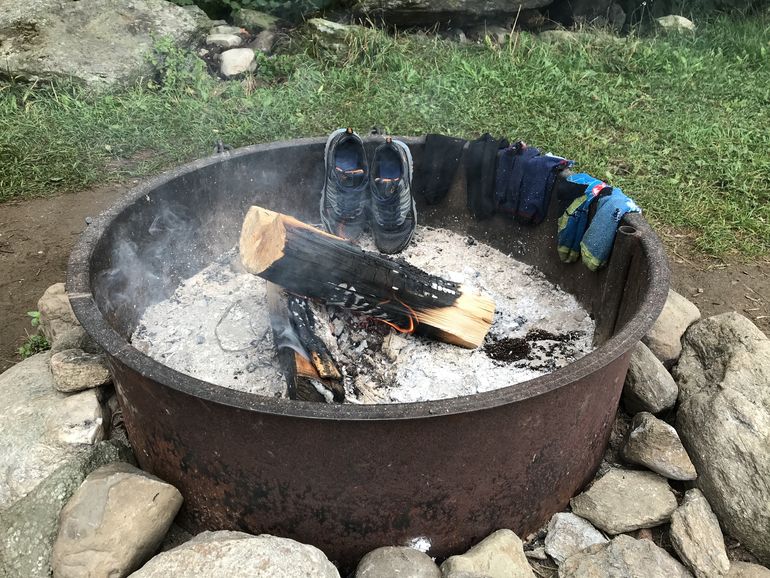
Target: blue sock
<point>597,242</point>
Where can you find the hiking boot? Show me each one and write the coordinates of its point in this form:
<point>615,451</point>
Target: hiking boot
<point>393,214</point>
<point>346,188</point>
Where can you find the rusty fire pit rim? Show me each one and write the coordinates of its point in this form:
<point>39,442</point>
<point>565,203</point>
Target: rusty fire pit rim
<point>88,314</point>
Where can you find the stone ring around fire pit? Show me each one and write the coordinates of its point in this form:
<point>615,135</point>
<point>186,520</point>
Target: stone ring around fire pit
<point>350,478</point>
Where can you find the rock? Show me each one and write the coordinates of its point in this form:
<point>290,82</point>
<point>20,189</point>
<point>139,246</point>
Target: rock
<point>697,538</point>
<point>655,444</point>
<point>239,555</point>
<point>626,500</point>
<point>499,555</point>
<point>56,315</point>
<point>536,553</point>
<point>225,29</point>
<point>724,422</point>
<point>397,561</point>
<point>568,534</point>
<point>264,41</point>
<point>623,557</point>
<point>224,40</point>
<point>664,339</point>
<point>49,442</point>
<point>331,34</point>
<point>430,12</point>
<point>75,338</point>
<point>111,47</point>
<point>75,370</point>
<point>254,20</point>
<point>113,523</point>
<point>649,386</point>
<point>496,34</point>
<point>675,23</point>
<point>237,61</point>
<point>746,570</point>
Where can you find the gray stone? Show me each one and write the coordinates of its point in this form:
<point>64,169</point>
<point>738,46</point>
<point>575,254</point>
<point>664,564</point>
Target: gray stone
<point>568,534</point>
<point>75,370</point>
<point>623,557</point>
<point>398,561</point>
<point>536,553</point>
<point>697,538</point>
<point>499,555</point>
<point>655,444</point>
<point>237,61</point>
<point>224,40</point>
<point>429,12</point>
<point>113,523</point>
<point>264,41</point>
<point>331,34</point>
<point>675,23</point>
<point>626,500</point>
<point>75,338</point>
<point>649,386</point>
<point>225,29</point>
<point>664,339</point>
<point>495,34</point>
<point>724,422</point>
<point>746,570</point>
<point>254,20</point>
<point>111,45</point>
<point>56,315</point>
<point>239,555</point>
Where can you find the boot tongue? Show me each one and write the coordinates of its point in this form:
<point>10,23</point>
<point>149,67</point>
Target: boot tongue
<point>351,177</point>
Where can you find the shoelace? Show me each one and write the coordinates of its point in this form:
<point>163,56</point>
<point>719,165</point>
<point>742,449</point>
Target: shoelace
<point>390,212</point>
<point>346,204</point>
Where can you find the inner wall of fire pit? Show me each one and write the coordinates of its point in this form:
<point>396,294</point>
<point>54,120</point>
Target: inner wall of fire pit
<point>349,478</point>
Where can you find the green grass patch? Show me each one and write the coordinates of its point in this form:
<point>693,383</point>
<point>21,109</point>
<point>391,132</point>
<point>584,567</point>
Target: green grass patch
<point>681,122</point>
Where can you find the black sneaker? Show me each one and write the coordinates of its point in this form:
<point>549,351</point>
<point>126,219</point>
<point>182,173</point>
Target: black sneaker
<point>346,189</point>
<point>393,212</point>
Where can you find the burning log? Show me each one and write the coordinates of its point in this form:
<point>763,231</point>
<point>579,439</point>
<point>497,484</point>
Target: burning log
<point>312,263</point>
<point>310,370</point>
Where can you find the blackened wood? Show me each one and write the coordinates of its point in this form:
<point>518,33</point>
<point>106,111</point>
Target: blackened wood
<point>309,262</point>
<point>304,323</point>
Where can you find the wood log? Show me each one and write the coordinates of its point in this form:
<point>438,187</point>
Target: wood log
<point>310,370</point>
<point>310,262</point>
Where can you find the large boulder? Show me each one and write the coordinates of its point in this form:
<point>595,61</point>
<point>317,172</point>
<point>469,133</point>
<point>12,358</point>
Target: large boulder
<point>499,555</point>
<point>697,538</point>
<point>664,338</point>
<point>655,444</point>
<point>429,12</point>
<point>624,557</point>
<point>399,561</point>
<point>49,442</point>
<point>113,523</point>
<point>649,386</point>
<point>626,500</point>
<point>239,555</point>
<point>102,43</point>
<point>724,423</point>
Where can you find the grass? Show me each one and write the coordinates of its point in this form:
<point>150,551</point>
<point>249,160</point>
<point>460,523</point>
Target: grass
<point>682,122</point>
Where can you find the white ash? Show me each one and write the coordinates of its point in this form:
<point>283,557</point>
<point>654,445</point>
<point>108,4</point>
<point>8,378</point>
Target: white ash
<point>216,327</point>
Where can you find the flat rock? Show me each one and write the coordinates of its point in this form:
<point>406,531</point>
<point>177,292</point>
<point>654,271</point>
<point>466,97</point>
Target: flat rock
<point>697,538</point>
<point>664,338</point>
<point>75,370</point>
<point>747,570</point>
<point>568,534</point>
<point>49,442</point>
<point>675,23</point>
<point>225,29</point>
<point>224,40</point>
<point>499,555</point>
<point>237,61</point>
<point>239,555</point>
<point>56,315</point>
<point>623,557</point>
<point>331,34</point>
<point>649,386</point>
<point>254,20</point>
<point>626,500</point>
<point>113,523</point>
<point>655,444</point>
<point>111,47</point>
<point>724,422</point>
<point>398,561</point>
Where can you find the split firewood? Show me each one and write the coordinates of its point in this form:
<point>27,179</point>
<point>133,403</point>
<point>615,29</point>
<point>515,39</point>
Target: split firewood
<point>310,370</point>
<point>312,263</point>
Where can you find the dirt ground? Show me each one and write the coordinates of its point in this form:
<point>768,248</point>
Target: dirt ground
<point>36,237</point>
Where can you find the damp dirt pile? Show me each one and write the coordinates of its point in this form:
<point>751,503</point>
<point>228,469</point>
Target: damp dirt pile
<point>216,327</point>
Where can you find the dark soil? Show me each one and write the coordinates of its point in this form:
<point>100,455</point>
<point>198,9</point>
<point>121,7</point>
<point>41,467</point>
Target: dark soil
<point>507,349</point>
<point>36,237</point>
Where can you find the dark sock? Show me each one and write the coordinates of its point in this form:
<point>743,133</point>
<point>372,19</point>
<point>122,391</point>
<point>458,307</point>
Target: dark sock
<point>480,162</point>
<point>439,165</point>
